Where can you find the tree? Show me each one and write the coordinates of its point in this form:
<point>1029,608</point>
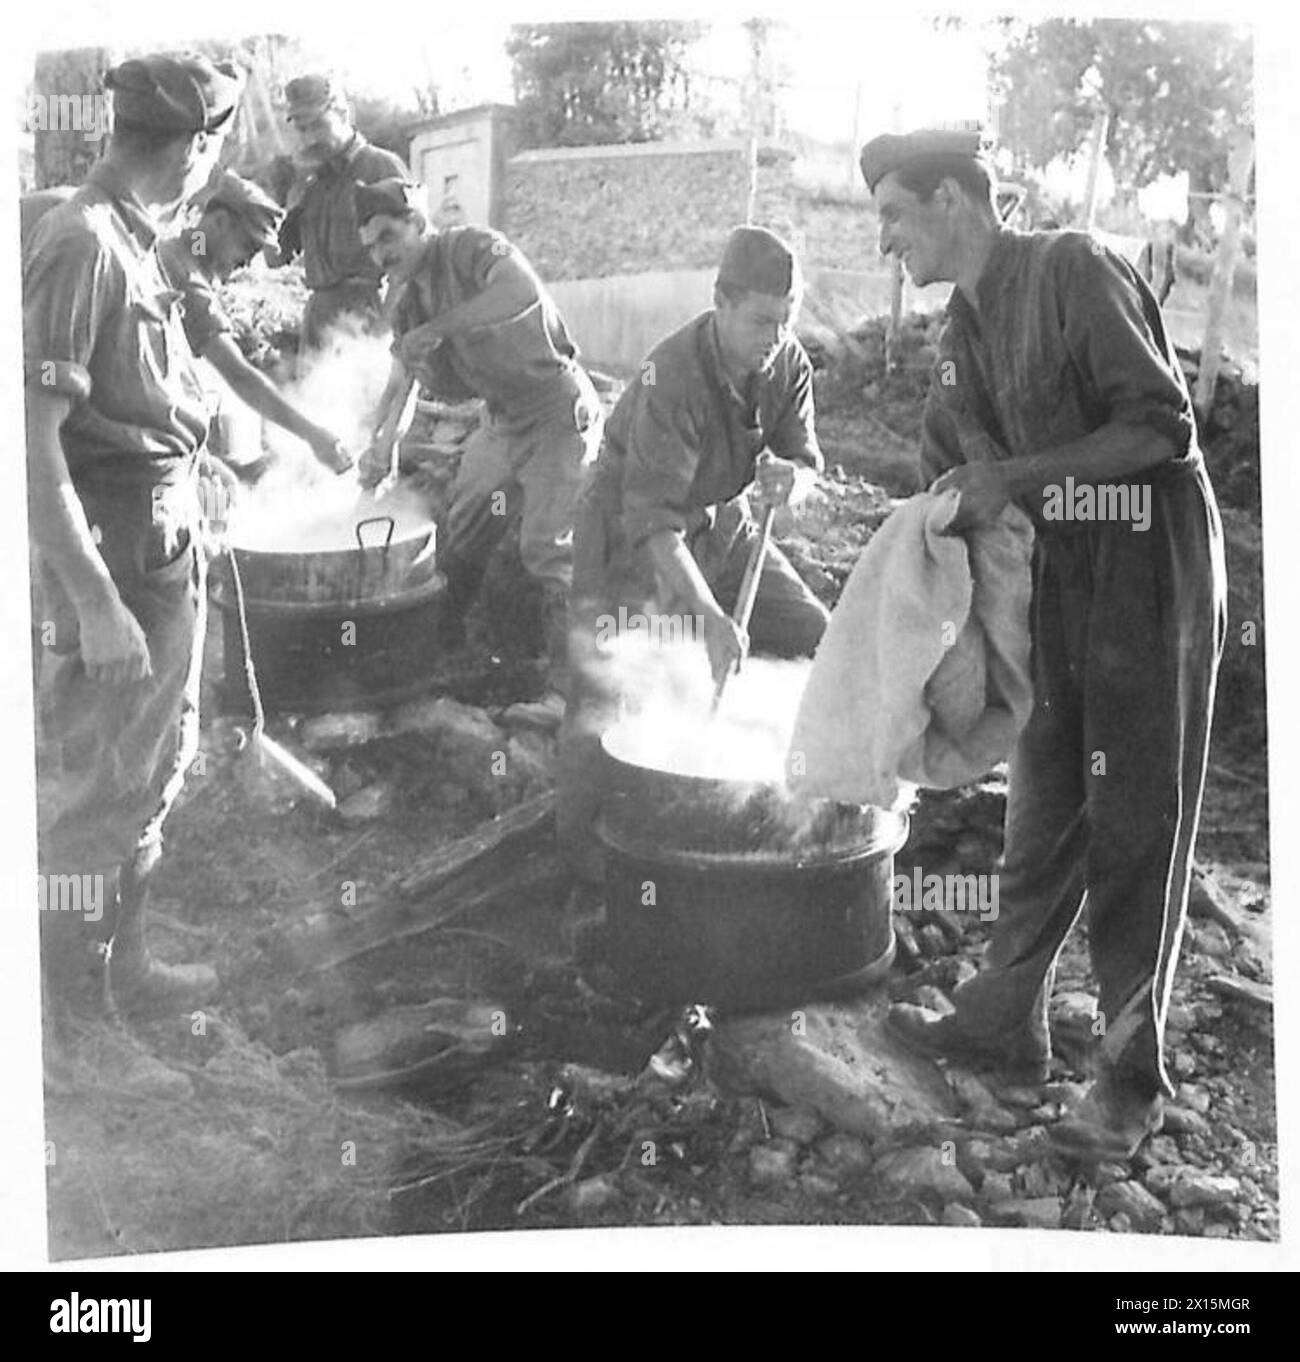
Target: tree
<point>1174,93</point>
<point>64,113</point>
<point>582,84</point>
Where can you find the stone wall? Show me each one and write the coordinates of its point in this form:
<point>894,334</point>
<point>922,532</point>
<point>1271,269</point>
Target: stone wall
<point>593,212</point>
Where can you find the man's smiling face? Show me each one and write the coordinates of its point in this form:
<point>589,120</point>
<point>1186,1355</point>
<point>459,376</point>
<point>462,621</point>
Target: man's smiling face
<point>918,233</point>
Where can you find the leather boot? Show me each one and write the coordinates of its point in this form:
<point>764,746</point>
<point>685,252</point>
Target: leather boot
<point>1018,1058</point>
<point>1116,1115</point>
<point>139,981</point>
<point>463,580</point>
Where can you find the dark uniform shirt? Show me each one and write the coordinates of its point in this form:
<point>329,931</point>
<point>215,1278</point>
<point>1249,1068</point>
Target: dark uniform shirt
<point>102,324</point>
<point>524,364</point>
<point>322,216</point>
<point>204,318</point>
<point>1067,339</point>
<point>682,439</point>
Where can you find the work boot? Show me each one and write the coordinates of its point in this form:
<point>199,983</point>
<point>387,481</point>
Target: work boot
<point>139,981</point>
<point>1116,1114</point>
<point>463,581</point>
<point>1017,1058</point>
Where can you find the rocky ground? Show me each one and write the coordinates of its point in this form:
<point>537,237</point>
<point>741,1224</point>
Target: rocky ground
<point>404,1048</point>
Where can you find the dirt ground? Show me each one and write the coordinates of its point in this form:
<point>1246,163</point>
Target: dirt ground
<point>547,1125</point>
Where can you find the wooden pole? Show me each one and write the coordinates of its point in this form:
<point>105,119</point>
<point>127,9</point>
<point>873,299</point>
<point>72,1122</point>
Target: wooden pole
<point>896,282</point>
<point>1100,127</point>
<point>1240,161</point>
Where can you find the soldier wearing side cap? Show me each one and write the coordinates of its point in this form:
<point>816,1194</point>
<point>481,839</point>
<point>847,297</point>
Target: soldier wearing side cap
<point>238,221</point>
<point>116,422</point>
<point>321,222</point>
<point>1055,363</point>
<point>721,414</point>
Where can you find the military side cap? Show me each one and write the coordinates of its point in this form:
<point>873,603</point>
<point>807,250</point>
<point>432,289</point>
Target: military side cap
<point>309,96</point>
<point>257,210</point>
<point>759,261</point>
<point>392,198</point>
<point>893,151</point>
<point>183,93</point>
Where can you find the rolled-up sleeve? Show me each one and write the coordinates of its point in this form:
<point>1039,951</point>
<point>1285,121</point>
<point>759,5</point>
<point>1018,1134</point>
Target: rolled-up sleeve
<point>1115,335</point>
<point>795,435</point>
<point>663,453</point>
<point>67,284</point>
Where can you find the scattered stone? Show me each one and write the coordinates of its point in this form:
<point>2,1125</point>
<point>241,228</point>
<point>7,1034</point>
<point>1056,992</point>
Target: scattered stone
<point>975,1155</point>
<point>1190,1220</point>
<point>528,764</point>
<point>1037,1213</point>
<point>1013,1096</point>
<point>954,1213</point>
<point>1210,939</point>
<point>1197,1188</point>
<point>367,804</point>
<point>594,1194</point>
<point>1074,1011</point>
<point>440,717</point>
<point>923,1170</point>
<point>1106,1173</point>
<point>1194,1098</point>
<point>950,971</point>
<point>1218,1230</point>
<point>1180,1017</point>
<point>818,1187</point>
<point>996,1187</point>
<point>1162,1149</point>
<point>345,779</point>
<point>1120,1223</point>
<point>1160,1177</point>
<point>935,999</point>
<point>1133,1201</point>
<point>844,1155</point>
<point>841,1061</point>
<point>1185,1121</point>
<point>799,1124</point>
<point>1184,1065</point>
<point>1047,1113</point>
<point>335,732</point>
<point>979,1106</point>
<point>933,942</point>
<point>773,1163</point>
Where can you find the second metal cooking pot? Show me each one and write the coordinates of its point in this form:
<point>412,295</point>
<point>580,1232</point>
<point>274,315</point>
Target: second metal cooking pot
<point>713,894</point>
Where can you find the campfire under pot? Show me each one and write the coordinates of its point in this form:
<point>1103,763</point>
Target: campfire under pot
<point>716,893</point>
<point>333,628</point>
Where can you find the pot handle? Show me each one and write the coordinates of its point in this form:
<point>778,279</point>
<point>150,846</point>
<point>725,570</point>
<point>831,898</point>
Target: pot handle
<point>376,520</point>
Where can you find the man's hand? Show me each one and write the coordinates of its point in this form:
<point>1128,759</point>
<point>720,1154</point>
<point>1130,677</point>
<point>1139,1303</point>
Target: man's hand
<point>984,493</point>
<point>218,491</point>
<point>725,643</point>
<point>774,479</point>
<point>113,646</point>
<point>329,451</point>
<point>375,469</point>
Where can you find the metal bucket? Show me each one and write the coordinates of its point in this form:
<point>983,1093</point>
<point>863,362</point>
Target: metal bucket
<point>712,896</point>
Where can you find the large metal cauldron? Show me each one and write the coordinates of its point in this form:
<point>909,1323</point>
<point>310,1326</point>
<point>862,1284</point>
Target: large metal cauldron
<point>335,628</point>
<point>712,896</point>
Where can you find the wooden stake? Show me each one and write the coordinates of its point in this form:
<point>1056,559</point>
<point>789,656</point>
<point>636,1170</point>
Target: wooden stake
<point>1240,161</point>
